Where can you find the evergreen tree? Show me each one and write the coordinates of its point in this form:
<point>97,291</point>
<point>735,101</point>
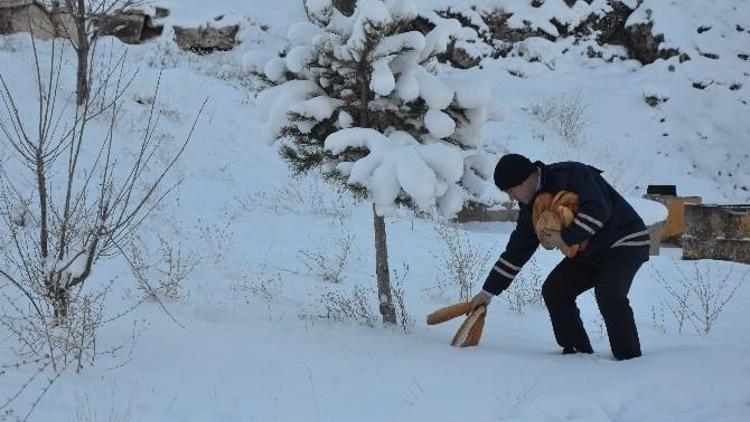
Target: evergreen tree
<point>360,96</point>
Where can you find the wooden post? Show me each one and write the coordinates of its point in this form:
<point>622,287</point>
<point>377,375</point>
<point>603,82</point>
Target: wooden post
<point>675,223</point>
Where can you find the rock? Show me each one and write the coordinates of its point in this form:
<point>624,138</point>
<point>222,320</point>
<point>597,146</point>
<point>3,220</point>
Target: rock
<point>345,6</point>
<point>150,28</point>
<point>655,100</point>
<point>65,26</point>
<point>497,21</point>
<point>611,26</point>
<point>204,40</point>
<point>643,45</point>
<point>458,57</point>
<point>638,39</point>
<point>702,84</point>
<point>128,27</point>
<point>25,16</point>
<point>455,56</point>
<point>717,232</point>
<point>476,212</point>
<point>132,26</point>
<point>160,12</point>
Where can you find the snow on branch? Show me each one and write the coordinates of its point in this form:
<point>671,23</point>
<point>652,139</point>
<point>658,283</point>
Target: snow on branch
<point>364,97</point>
<point>398,162</point>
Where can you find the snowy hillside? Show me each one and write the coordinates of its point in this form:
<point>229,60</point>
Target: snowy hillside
<point>272,311</point>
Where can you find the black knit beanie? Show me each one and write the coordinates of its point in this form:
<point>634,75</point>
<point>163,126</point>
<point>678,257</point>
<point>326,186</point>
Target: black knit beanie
<point>511,170</point>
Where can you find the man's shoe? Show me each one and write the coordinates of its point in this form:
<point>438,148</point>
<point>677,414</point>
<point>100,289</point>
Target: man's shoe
<point>572,350</point>
<point>587,350</point>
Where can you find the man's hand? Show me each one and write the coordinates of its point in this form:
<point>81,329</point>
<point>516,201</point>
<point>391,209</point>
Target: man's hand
<point>481,299</point>
<point>552,239</point>
<point>544,241</point>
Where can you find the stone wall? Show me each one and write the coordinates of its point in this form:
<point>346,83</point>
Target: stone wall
<point>131,26</point>
<point>717,232</point>
<point>25,16</point>
<point>474,212</point>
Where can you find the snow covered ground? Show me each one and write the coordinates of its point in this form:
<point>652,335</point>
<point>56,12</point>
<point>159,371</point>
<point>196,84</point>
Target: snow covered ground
<point>248,346</point>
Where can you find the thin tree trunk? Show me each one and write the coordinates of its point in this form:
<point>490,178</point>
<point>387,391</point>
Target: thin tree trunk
<point>381,268</point>
<point>82,86</point>
<point>82,49</point>
<point>60,302</point>
<point>381,246</point>
<point>42,191</point>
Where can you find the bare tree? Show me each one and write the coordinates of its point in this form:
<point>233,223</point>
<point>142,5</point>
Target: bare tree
<point>83,203</point>
<point>701,297</point>
<point>83,17</point>
<point>460,262</point>
<point>31,384</point>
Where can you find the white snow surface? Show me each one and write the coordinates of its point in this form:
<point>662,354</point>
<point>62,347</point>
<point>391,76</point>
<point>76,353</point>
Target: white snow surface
<point>244,351</point>
<point>650,211</point>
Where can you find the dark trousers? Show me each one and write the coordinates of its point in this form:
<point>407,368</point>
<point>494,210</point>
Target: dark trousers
<point>611,279</point>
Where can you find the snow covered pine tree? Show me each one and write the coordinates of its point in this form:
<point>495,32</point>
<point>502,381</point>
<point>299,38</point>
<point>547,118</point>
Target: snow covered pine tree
<point>360,98</point>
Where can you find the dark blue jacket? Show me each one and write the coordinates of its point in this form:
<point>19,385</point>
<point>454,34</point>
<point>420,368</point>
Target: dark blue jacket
<point>604,217</point>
